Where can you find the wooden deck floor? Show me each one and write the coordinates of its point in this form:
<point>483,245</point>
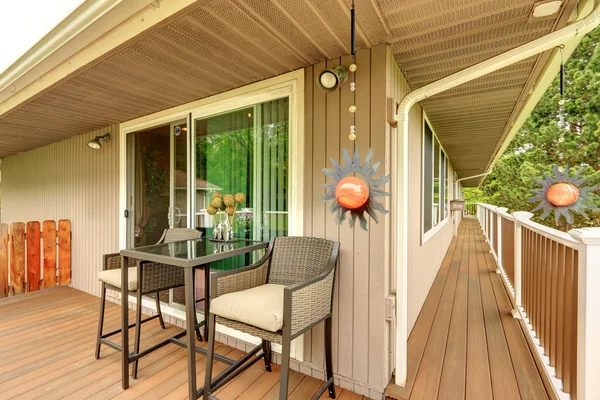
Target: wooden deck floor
<point>47,344</point>
<point>465,343</point>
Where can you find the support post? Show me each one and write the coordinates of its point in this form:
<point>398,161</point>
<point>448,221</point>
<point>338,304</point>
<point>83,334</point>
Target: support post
<point>588,304</point>
<point>499,212</point>
<point>520,216</point>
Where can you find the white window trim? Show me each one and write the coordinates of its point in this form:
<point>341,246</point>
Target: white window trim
<point>426,236</point>
<point>287,85</point>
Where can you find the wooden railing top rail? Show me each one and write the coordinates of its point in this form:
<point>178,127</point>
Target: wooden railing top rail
<point>524,218</point>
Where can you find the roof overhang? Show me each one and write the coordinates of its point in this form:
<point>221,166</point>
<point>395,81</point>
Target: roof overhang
<point>156,55</point>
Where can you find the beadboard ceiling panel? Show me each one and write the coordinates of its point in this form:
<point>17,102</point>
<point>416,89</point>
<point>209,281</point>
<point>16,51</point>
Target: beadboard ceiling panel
<point>223,44</point>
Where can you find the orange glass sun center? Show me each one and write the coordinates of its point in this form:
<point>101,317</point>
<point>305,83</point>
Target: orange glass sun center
<point>352,192</point>
<point>562,194</point>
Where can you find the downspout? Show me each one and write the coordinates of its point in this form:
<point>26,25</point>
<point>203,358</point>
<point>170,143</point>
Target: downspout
<point>510,57</point>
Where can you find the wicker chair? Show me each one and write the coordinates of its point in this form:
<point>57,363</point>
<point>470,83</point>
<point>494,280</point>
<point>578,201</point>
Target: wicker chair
<point>292,287</point>
<point>154,278</point>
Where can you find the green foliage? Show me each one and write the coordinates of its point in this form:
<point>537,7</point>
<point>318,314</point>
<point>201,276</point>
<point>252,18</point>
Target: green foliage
<point>557,132</point>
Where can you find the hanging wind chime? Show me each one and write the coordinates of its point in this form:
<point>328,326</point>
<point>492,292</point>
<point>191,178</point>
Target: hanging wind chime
<point>354,187</point>
<point>562,193</point>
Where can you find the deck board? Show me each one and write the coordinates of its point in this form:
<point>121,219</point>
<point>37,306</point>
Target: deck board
<point>47,342</point>
<point>465,343</point>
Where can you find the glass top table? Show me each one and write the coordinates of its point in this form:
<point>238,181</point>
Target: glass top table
<point>189,255</point>
<point>193,253</point>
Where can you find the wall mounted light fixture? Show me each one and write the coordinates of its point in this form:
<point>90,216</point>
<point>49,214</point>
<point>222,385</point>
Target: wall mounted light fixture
<point>332,78</point>
<point>96,143</point>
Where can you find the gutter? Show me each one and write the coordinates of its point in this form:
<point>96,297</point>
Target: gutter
<point>573,31</point>
<point>471,177</point>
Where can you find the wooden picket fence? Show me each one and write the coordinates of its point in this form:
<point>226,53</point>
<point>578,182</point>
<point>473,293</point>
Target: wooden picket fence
<point>34,256</point>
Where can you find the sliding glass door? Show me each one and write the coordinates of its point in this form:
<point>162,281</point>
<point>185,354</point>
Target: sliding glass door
<point>175,173</point>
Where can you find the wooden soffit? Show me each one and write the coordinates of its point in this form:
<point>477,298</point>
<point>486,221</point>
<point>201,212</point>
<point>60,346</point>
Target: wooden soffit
<point>219,45</point>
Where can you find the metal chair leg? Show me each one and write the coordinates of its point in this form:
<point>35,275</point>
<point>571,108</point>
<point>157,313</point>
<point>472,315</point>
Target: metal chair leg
<point>138,329</point>
<point>101,320</point>
<point>160,317</point>
<point>285,367</point>
<point>211,324</point>
<point>266,347</point>
<point>198,334</point>
<point>328,357</point>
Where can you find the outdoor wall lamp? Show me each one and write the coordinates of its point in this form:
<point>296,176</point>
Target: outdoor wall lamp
<point>96,143</point>
<point>331,78</point>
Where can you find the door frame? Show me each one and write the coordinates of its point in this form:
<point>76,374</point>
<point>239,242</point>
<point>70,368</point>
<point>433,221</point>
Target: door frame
<point>287,85</point>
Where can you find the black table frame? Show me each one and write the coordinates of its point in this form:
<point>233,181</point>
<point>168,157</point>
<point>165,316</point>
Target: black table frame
<point>189,265</point>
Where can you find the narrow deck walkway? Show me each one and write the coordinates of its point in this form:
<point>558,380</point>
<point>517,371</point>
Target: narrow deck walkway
<point>466,344</point>
<point>47,344</point>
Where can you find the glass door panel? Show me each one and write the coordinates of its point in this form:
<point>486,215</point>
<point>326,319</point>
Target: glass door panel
<point>242,151</point>
<point>151,197</point>
<point>158,184</point>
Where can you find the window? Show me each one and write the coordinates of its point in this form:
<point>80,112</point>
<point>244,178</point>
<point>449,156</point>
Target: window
<point>435,180</point>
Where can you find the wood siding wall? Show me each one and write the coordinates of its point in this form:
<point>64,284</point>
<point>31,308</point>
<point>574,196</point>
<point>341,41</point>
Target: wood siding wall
<point>67,180</point>
<point>424,259</point>
<point>360,331</point>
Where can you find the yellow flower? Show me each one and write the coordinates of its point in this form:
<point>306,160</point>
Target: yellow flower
<point>240,197</point>
<point>230,210</point>
<point>210,210</point>
<point>228,200</point>
<point>217,194</point>
<point>217,203</point>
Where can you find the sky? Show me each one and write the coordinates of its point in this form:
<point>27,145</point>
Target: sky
<point>24,22</point>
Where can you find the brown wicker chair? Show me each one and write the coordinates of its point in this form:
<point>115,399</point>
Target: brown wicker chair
<point>154,278</point>
<point>303,269</point>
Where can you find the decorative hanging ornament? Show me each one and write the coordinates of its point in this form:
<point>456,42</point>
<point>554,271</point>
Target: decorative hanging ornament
<point>354,188</point>
<point>564,195</point>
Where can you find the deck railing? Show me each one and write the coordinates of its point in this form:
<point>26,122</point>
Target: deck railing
<point>554,281</point>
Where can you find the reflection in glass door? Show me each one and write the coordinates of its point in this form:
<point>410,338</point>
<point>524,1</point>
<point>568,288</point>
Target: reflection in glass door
<point>158,188</point>
<point>245,151</point>
<point>159,193</point>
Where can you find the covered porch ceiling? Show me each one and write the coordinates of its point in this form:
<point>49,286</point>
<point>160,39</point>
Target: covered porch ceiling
<point>214,46</point>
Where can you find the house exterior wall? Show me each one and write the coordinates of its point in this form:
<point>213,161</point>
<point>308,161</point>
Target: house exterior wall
<point>67,180</point>
<point>424,258</point>
<point>361,334</point>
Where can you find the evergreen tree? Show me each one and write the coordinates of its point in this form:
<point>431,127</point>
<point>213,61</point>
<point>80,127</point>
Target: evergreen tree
<point>559,131</point>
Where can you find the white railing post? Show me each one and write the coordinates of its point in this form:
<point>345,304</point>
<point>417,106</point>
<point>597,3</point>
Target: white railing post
<point>588,323</point>
<point>520,216</point>
<point>500,211</point>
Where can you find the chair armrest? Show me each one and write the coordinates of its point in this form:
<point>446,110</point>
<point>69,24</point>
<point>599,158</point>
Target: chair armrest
<point>311,301</point>
<point>243,278</point>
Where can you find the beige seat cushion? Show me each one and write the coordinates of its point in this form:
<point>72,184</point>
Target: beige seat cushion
<point>113,277</point>
<point>261,307</point>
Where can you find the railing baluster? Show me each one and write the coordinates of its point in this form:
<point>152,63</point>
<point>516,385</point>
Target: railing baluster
<point>556,282</point>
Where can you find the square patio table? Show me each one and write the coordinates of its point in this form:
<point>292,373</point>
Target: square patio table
<point>189,255</point>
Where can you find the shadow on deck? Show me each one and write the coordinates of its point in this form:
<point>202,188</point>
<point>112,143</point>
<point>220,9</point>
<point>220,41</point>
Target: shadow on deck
<point>465,343</point>
<point>47,341</point>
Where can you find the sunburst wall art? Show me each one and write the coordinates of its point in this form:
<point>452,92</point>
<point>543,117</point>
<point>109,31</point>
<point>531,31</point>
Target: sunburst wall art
<point>564,195</point>
<point>354,188</point>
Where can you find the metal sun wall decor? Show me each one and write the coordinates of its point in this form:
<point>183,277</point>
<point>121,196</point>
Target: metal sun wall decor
<point>564,195</point>
<point>354,189</point>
